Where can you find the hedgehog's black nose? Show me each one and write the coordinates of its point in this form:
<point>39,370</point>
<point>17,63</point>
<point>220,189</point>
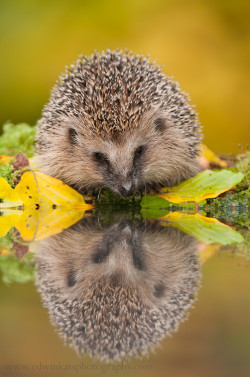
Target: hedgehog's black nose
<point>127,189</point>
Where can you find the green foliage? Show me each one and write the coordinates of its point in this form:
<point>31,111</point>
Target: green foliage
<point>14,270</point>
<point>243,166</point>
<point>234,204</point>
<point>7,172</point>
<point>17,138</point>
<point>6,242</point>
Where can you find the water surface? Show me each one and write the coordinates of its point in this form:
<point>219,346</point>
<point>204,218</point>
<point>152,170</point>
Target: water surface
<point>128,297</point>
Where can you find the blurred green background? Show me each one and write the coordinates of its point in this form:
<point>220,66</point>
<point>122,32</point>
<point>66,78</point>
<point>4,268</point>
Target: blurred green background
<point>203,44</point>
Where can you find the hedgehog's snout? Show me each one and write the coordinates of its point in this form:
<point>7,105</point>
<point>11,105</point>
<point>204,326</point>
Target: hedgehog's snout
<point>126,189</point>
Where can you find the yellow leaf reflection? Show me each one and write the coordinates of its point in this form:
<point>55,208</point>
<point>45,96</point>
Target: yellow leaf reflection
<point>205,229</point>
<point>41,224</point>
<point>8,219</point>
<point>29,223</point>
<point>207,252</point>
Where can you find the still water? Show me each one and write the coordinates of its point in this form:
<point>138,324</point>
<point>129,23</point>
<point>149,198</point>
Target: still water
<point>125,297</point>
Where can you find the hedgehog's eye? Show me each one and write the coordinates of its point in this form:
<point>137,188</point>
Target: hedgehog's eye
<point>159,124</point>
<point>159,290</point>
<point>72,136</point>
<point>71,278</point>
<point>100,157</point>
<point>137,255</point>
<point>138,152</point>
<point>101,255</point>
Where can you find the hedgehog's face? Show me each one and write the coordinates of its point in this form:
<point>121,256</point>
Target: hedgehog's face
<point>149,153</point>
<point>115,120</point>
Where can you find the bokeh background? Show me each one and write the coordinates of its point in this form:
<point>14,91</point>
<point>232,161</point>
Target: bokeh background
<point>204,44</point>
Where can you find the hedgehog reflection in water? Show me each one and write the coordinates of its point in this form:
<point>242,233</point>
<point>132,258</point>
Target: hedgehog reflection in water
<point>116,121</point>
<point>116,292</point>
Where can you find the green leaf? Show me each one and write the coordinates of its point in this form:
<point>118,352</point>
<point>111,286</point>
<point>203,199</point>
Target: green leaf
<point>207,184</point>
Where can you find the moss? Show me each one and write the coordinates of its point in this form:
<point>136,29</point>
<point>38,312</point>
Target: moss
<point>6,242</point>
<point>108,200</point>
<point>12,268</point>
<point>17,138</point>
<point>7,172</point>
<point>243,166</point>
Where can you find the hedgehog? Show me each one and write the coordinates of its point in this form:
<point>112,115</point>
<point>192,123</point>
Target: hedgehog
<point>116,121</point>
<point>120,290</point>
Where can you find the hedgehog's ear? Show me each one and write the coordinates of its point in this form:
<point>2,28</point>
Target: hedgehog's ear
<point>160,124</point>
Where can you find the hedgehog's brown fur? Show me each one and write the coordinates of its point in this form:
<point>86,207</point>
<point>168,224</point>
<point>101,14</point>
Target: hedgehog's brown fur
<point>125,302</point>
<point>112,105</point>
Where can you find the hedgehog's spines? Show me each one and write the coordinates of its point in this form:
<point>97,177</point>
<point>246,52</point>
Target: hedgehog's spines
<point>112,94</point>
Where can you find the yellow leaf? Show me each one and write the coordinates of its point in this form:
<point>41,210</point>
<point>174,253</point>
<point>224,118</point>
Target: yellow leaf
<point>4,252</point>
<point>48,192</point>
<point>27,190</point>
<point>211,157</point>
<point>55,191</point>
<point>5,160</point>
